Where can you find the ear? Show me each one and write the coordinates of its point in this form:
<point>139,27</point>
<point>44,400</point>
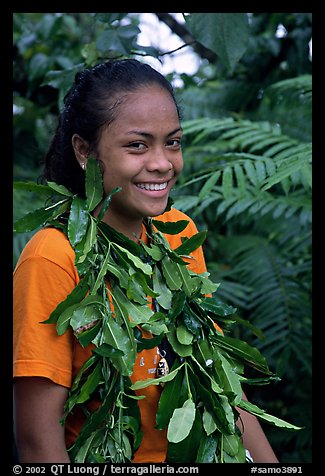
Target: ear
<point>81,150</point>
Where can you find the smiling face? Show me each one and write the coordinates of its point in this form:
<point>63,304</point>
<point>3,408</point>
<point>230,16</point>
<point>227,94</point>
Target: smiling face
<point>141,152</point>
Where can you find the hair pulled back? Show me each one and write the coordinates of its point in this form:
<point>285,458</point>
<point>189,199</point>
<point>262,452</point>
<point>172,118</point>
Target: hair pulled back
<point>91,103</point>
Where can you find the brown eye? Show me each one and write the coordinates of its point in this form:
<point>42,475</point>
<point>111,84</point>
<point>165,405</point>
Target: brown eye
<point>175,144</point>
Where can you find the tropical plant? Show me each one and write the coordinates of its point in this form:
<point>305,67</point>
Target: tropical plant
<point>251,185</point>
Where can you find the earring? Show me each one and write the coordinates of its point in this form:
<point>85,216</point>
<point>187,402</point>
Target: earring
<point>83,166</point>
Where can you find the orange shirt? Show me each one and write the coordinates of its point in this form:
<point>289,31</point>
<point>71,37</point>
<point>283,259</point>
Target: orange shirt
<point>45,274</point>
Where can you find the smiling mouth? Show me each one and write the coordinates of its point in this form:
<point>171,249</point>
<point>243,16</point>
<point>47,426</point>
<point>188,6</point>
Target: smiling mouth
<point>152,186</point>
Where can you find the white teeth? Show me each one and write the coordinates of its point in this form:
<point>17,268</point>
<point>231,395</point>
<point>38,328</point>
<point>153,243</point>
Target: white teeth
<point>152,186</point>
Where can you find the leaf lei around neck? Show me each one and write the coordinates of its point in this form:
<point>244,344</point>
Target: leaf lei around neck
<point>202,392</point>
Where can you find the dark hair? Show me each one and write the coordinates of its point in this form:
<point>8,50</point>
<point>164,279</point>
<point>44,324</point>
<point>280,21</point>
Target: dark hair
<point>92,102</point>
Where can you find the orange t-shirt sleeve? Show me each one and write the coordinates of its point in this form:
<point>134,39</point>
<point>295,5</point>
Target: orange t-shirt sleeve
<point>40,284</point>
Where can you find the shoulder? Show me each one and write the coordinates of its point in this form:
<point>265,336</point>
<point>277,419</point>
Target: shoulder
<point>50,244</point>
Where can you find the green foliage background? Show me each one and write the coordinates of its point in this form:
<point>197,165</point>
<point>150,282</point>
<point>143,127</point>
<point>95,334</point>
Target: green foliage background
<point>247,174</point>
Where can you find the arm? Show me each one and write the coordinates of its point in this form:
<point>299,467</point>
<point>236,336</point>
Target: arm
<point>38,408</point>
<point>254,438</point>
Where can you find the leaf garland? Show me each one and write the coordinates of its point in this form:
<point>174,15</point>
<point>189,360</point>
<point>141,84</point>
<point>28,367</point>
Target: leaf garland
<point>118,278</point>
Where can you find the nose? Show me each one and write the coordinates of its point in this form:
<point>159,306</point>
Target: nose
<point>159,160</point>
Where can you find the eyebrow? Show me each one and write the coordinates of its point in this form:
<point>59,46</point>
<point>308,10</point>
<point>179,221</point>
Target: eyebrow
<point>147,134</point>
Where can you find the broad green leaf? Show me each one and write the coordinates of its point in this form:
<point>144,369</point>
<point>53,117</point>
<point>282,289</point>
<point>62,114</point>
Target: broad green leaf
<point>224,33</point>
<point>228,379</point>
<point>170,228</point>
<point>180,349</point>
<point>153,251</point>
<point>191,244</point>
<point>63,321</point>
<point>118,338</point>
<point>164,297</point>
<point>171,274</point>
<point>78,220</point>
<point>178,303</point>
<point>231,444</point>
<point>106,203</point>
<point>135,291</point>
<point>82,453</point>
<point>93,184</point>
<point>89,335</point>
<point>155,381</point>
<point>144,267</point>
<point>85,315</point>
<point>106,350</point>
<point>33,187</point>
<point>208,422</point>
<point>259,413</point>
<point>243,351</point>
<point>139,314</point>
<point>212,403</point>
<point>185,451</point>
<point>207,449</point>
<point>39,217</point>
<point>61,189</point>
<point>168,401</point>
<point>91,384</point>
<point>188,282</point>
<point>76,296</point>
<point>88,242</point>
<point>183,335</point>
<point>217,307</point>
<point>181,422</point>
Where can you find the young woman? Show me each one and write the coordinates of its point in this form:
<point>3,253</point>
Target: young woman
<point>124,114</point>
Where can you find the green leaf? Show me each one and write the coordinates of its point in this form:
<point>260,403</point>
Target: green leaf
<point>85,315</point>
<point>87,242</point>
<point>188,283</point>
<point>207,449</point>
<point>94,185</point>
<point>168,401</point>
<point>191,244</point>
<point>261,414</point>
<point>33,187</point>
<point>39,217</point>
<point>183,335</point>
<point>171,274</point>
<point>139,314</point>
<point>208,422</point>
<point>226,34</point>
<point>76,296</point>
<point>231,444</point>
<point>144,267</point>
<point>170,228</point>
<point>180,349</point>
<point>63,321</point>
<point>118,337</point>
<point>217,307</point>
<point>91,383</point>
<point>185,451</point>
<point>181,422</point>
<point>106,203</point>
<point>78,220</point>
<point>243,351</point>
<point>61,189</point>
<point>209,184</point>
<point>164,297</point>
<point>228,379</point>
<point>155,381</point>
